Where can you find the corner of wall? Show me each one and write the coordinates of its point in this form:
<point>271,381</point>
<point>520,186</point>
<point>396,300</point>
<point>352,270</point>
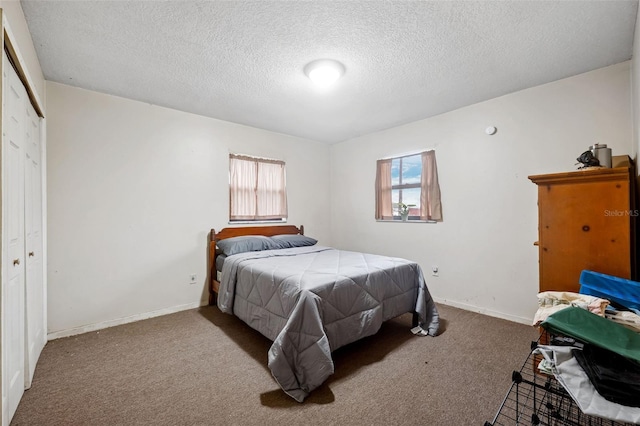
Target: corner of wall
<point>635,91</point>
<point>23,43</point>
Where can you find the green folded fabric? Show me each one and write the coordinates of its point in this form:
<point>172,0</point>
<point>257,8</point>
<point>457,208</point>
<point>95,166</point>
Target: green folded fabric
<point>591,328</point>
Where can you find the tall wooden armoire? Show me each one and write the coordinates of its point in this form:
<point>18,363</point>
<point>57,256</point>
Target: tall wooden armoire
<point>586,221</point>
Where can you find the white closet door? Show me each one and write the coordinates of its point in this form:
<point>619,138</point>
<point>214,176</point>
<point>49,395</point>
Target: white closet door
<point>36,336</point>
<point>13,262</point>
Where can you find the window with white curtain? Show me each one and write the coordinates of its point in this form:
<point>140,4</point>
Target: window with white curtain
<point>257,189</point>
<point>407,188</point>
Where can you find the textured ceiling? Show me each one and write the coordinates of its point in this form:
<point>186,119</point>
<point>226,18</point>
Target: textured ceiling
<point>242,61</point>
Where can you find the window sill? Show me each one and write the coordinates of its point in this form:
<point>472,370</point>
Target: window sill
<point>406,221</point>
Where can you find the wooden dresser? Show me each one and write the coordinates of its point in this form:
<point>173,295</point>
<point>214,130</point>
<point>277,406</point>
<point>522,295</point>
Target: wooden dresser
<point>586,221</point>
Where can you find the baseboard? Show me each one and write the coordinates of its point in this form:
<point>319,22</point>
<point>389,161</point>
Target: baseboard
<point>120,321</point>
<point>173,309</point>
<point>484,311</point>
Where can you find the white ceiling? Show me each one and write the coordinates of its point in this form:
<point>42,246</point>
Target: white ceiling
<point>242,61</point>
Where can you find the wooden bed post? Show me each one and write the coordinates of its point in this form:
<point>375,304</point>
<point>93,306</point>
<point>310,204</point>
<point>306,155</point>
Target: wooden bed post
<point>212,267</point>
<point>268,231</point>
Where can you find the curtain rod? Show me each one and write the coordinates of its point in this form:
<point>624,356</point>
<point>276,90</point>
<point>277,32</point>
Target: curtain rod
<point>408,154</point>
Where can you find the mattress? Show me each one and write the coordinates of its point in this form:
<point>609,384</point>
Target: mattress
<point>220,261</point>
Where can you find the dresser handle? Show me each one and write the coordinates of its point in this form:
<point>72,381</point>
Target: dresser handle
<point>586,228</point>
<point>16,262</point>
<point>31,254</point>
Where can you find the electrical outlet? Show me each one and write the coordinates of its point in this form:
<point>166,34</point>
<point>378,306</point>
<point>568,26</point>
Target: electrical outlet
<point>193,278</point>
<point>434,271</point>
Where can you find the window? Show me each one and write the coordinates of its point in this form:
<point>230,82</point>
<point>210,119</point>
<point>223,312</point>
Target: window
<point>410,181</point>
<point>257,190</point>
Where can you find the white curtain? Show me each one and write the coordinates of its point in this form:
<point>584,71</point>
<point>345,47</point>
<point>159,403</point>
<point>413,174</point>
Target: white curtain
<point>257,188</point>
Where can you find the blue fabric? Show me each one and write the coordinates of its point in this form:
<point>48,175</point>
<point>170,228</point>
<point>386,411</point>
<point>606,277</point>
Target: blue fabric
<point>620,291</point>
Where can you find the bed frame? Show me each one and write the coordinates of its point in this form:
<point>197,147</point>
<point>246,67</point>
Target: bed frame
<point>267,231</point>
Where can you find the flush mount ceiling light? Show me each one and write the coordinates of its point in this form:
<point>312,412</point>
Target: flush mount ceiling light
<point>324,72</point>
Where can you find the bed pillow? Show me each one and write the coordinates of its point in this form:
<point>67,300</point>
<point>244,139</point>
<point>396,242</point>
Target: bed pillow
<point>290,240</point>
<point>246,243</point>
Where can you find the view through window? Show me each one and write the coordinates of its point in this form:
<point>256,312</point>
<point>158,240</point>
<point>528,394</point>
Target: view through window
<point>406,178</point>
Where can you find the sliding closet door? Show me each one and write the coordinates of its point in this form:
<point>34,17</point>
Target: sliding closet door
<point>13,262</point>
<point>34,303</point>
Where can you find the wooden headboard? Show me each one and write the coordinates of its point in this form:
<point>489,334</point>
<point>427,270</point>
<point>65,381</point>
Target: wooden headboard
<point>214,237</point>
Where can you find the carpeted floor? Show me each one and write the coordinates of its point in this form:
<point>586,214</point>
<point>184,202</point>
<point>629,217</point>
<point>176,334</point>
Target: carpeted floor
<point>202,367</point>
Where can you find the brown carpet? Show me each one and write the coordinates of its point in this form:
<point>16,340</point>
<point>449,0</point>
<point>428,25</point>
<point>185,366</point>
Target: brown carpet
<point>202,367</point>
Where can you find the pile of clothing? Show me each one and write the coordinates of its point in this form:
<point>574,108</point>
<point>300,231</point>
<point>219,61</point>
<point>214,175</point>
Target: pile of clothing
<point>615,298</point>
<point>600,365</point>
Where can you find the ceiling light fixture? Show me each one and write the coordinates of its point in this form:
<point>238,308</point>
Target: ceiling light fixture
<point>324,72</point>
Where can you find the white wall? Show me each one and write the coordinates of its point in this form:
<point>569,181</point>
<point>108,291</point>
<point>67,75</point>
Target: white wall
<point>635,88</point>
<point>134,190</point>
<point>484,248</point>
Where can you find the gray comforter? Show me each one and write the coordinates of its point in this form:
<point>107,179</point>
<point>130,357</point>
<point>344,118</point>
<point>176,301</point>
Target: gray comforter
<point>312,300</point>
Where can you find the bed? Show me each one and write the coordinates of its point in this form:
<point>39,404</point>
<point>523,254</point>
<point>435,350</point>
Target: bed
<point>310,300</point>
